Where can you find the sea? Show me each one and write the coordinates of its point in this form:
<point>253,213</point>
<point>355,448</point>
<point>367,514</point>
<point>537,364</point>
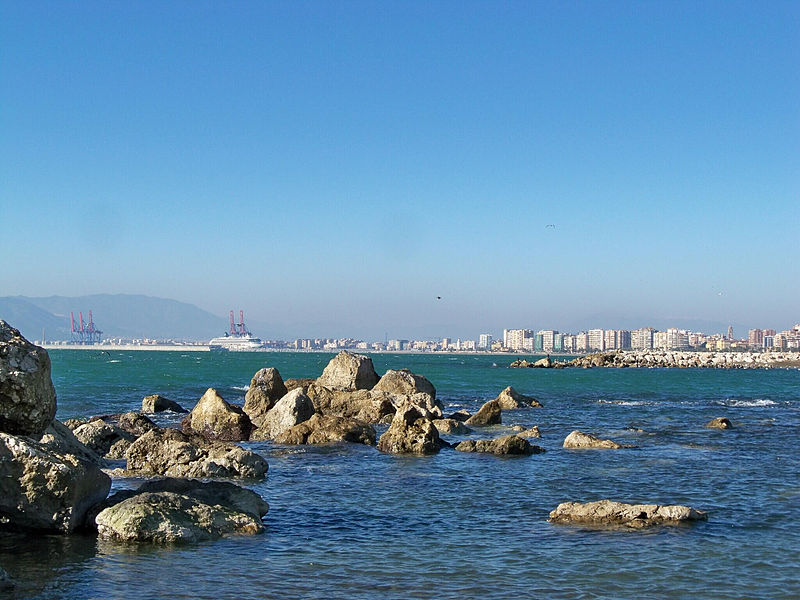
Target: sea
<point>347,521</point>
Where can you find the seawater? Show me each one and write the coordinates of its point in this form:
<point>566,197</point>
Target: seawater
<point>347,521</point>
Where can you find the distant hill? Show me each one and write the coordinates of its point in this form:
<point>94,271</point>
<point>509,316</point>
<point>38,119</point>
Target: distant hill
<point>116,315</point>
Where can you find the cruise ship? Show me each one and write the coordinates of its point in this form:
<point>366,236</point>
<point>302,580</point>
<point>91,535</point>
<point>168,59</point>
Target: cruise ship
<point>238,339</point>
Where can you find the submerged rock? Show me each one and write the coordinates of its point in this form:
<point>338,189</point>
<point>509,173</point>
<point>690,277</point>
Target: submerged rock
<point>349,372</point>
<point>266,388</point>
<point>176,454</point>
<point>508,444</point>
<point>488,414</point>
<point>410,433</point>
<point>42,488</point>
<point>326,429</point>
<point>27,396</point>
<point>607,512</point>
<point>579,440</point>
<point>294,408</point>
<point>451,426</point>
<point>158,403</point>
<point>720,423</point>
<point>168,517</point>
<point>216,419</point>
<point>510,399</point>
<point>533,432</point>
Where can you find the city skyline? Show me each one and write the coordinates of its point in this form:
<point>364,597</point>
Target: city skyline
<point>413,169</point>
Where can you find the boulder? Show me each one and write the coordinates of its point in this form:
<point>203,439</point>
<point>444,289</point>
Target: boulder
<point>41,488</point>
<point>720,423</point>
<point>176,454</point>
<point>348,372</point>
<point>451,426</point>
<point>135,423</point>
<point>533,432</point>
<point>510,399</point>
<point>100,436</point>
<point>266,388</point>
<point>296,383</point>
<point>27,396</point>
<point>543,363</point>
<point>58,438</point>
<point>73,424</point>
<point>294,408</point>
<point>410,433</point>
<point>579,440</point>
<point>215,419</point>
<point>607,512</point>
<point>167,517</point>
<point>489,414</point>
<point>326,429</point>
<point>460,415</point>
<point>221,493</point>
<point>158,403</point>
<point>365,405</point>
<point>403,382</point>
<point>508,444</point>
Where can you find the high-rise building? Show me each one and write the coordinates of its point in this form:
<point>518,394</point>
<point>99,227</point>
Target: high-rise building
<point>485,341</point>
<point>582,342</point>
<point>642,339</point>
<point>595,340</point>
<point>624,339</point>
<point>730,332</point>
<point>610,341</point>
<point>514,339</point>
<point>548,340</point>
<point>755,338</point>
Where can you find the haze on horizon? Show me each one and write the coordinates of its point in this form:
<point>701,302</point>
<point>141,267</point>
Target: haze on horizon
<point>333,168</point>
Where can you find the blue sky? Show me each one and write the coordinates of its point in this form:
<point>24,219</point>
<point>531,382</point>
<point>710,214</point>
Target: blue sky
<point>332,167</point>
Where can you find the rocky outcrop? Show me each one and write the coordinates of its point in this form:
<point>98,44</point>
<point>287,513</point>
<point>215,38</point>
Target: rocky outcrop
<point>176,454</point>
<point>720,423</point>
<point>451,426</point>
<point>42,488</point>
<point>158,403</point>
<point>533,432</point>
<point>100,437</point>
<point>508,444</point>
<point>167,517</point>
<point>27,396</point>
<point>365,405</point>
<point>510,399</point>
<point>542,363</point>
<point>403,382</point>
<point>348,372</point>
<point>266,388</point>
<point>299,383</point>
<point>294,408</point>
<point>326,429</point>
<point>579,440</point>
<point>215,419</point>
<point>410,433</point>
<point>607,512</point>
<point>135,423</point>
<point>488,414</point>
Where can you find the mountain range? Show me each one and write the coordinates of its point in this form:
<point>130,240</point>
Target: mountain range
<point>116,315</point>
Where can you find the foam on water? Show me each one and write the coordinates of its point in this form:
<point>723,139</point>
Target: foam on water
<point>746,403</point>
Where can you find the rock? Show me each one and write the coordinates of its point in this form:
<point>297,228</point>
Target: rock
<point>533,432</point>
<point>215,419</point>
<point>27,396</point>
<point>607,512</point>
<point>43,489</point>
<point>59,439</point>
<point>365,405</point>
<point>489,414</point>
<point>176,454</point>
<point>296,383</point>
<point>158,403</point>
<point>294,408</point>
<point>326,429</point>
<point>221,493</point>
<point>100,436</point>
<point>460,415</point>
<point>410,433</point>
<point>520,363</point>
<point>509,444</point>
<point>543,363</point>
<point>510,399</point>
<point>348,372</point>
<point>135,423</point>
<point>266,388</point>
<point>6,583</point>
<point>166,517</point>
<point>451,426</point>
<point>73,424</point>
<point>405,383</point>
<point>720,423</point>
<point>579,440</point>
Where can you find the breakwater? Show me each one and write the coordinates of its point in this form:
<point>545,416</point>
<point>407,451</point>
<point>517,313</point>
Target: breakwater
<point>672,359</point>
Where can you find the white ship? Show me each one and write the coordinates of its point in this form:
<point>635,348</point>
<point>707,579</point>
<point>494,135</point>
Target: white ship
<point>237,340</point>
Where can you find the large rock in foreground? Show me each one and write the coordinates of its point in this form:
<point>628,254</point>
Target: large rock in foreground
<point>175,454</point>
<point>294,408</point>
<point>167,517</point>
<point>510,399</point>
<point>488,414</point>
<point>508,444</point>
<point>41,488</point>
<point>348,372</point>
<point>327,429</point>
<point>608,512</point>
<point>410,433</point>
<point>27,396</point>
<point>215,419</point>
<point>577,440</point>
<point>266,388</point>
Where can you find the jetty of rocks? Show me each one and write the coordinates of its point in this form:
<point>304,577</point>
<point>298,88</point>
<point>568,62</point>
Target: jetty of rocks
<point>672,359</point>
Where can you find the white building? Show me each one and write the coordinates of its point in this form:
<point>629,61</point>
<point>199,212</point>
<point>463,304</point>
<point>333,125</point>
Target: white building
<point>485,341</point>
<point>514,339</point>
<point>595,340</point>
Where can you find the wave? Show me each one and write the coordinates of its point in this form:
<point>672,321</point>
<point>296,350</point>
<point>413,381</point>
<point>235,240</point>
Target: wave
<point>745,403</point>
<point>113,361</point>
<point>241,388</point>
<point>627,402</point>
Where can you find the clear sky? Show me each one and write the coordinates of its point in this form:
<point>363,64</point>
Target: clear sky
<point>333,167</point>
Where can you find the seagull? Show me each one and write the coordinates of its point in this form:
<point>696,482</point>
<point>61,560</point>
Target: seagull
<point>550,225</point>
<point>438,297</point>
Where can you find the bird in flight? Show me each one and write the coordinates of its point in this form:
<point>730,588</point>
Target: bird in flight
<point>550,225</point>
<point>438,297</point>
